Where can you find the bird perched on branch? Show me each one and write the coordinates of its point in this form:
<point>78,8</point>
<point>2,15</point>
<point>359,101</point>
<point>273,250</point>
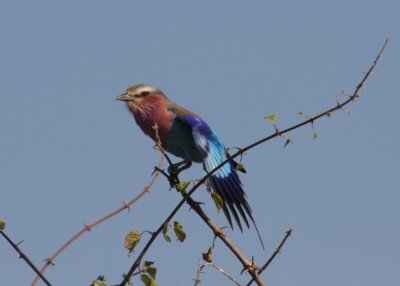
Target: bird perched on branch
<point>186,135</point>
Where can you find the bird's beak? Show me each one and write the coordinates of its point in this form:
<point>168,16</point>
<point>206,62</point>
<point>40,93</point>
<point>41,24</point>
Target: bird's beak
<point>123,97</point>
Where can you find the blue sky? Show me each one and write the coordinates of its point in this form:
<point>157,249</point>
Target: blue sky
<point>70,153</point>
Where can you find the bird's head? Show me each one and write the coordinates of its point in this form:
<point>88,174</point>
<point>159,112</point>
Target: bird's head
<point>140,97</point>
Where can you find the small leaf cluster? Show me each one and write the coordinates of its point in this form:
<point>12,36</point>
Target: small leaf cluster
<point>208,256</point>
<point>2,224</point>
<point>182,186</point>
<point>132,239</point>
<point>178,230</point>
<point>149,274</point>
<point>219,202</point>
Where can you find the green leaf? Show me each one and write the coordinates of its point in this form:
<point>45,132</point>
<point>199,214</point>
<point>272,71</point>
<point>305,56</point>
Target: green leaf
<point>219,202</point>
<point>147,264</point>
<point>179,232</point>
<point>2,224</point>
<point>314,134</point>
<point>164,232</point>
<point>240,166</point>
<point>301,113</point>
<point>271,118</point>
<point>207,257</point>
<point>132,239</point>
<point>182,186</point>
<point>152,271</point>
<point>147,280</point>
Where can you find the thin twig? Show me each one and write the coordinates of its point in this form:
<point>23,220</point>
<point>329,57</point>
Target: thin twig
<point>241,151</point>
<point>89,227</point>
<point>247,265</point>
<point>198,272</point>
<point>220,269</point>
<point>277,250</point>
<point>26,259</point>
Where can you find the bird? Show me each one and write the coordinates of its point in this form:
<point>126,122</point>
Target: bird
<point>186,135</point>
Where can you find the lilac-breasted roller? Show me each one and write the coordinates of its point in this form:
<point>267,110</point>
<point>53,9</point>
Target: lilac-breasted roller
<point>186,135</point>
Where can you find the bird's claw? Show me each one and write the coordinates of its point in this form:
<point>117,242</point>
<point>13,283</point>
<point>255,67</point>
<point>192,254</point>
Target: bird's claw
<point>173,170</point>
<point>173,181</point>
<point>171,176</point>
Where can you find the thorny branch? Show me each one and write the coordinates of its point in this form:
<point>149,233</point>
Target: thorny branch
<point>26,259</point>
<point>89,227</point>
<point>276,252</point>
<point>277,133</point>
<point>247,265</point>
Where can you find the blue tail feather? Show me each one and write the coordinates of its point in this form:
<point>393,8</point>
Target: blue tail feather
<point>230,190</point>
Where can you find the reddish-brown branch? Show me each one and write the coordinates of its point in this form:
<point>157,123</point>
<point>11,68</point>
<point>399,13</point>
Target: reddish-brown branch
<point>89,227</point>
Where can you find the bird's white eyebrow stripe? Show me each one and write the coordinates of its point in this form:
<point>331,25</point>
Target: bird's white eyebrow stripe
<point>144,88</point>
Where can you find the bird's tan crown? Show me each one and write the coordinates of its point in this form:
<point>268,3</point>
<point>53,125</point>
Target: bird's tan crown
<point>140,88</point>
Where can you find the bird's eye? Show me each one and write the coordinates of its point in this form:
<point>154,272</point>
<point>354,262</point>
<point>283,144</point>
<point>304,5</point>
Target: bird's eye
<point>145,93</point>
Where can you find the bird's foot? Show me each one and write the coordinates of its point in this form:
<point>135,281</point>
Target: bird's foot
<point>173,172</point>
<point>175,169</point>
<point>172,178</point>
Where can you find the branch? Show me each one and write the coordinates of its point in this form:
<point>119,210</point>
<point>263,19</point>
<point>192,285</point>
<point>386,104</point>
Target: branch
<point>278,250</point>
<point>25,258</point>
<point>224,273</point>
<point>247,265</point>
<point>251,146</point>
<point>198,272</point>
<point>89,227</point>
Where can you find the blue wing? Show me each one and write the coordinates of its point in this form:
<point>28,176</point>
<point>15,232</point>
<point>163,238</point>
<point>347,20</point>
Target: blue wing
<point>225,181</point>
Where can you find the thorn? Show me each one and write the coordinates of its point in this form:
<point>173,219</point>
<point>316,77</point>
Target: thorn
<point>19,243</point>
<point>87,227</point>
<point>278,133</point>
<point>155,126</point>
<point>288,140</point>
<point>195,204</point>
<point>253,264</point>
<point>126,205</point>
<point>147,189</point>
<point>49,262</point>
<point>156,169</point>
<point>244,269</point>
<point>249,266</point>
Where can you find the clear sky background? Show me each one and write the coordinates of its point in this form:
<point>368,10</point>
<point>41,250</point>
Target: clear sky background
<point>69,153</point>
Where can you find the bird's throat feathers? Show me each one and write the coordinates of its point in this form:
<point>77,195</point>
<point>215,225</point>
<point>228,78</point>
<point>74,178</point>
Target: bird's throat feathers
<point>150,112</point>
